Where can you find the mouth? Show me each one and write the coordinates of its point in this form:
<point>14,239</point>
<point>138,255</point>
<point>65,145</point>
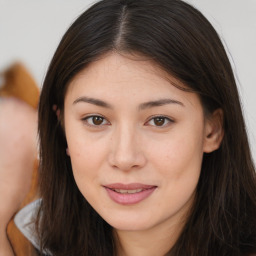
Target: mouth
<point>127,194</point>
<point>125,191</point>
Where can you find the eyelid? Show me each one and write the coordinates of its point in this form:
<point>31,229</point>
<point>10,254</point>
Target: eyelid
<point>169,119</point>
<point>85,120</point>
<point>106,122</point>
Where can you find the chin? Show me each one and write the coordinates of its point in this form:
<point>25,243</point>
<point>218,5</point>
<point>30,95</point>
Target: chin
<point>131,222</point>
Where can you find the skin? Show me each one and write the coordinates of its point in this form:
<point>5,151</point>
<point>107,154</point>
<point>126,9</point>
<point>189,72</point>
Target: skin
<point>127,144</point>
<point>18,128</point>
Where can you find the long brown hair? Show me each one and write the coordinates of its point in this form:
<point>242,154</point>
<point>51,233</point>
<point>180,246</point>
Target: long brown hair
<point>181,41</point>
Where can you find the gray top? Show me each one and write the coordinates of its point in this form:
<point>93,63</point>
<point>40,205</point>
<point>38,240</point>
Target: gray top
<point>24,220</point>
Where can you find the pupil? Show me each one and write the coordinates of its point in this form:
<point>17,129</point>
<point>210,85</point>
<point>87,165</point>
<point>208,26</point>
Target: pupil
<point>97,120</point>
<point>159,121</point>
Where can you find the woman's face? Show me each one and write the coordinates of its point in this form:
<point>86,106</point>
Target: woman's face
<point>135,141</point>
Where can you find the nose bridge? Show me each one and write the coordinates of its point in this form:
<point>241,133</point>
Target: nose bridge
<point>126,152</point>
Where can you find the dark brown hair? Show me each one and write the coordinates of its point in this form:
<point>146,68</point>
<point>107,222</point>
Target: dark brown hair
<point>181,41</point>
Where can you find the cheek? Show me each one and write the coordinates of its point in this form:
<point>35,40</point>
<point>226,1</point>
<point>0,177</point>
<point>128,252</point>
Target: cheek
<point>85,157</point>
<point>84,154</point>
<point>179,158</point>
<point>179,165</point>
<point>85,161</point>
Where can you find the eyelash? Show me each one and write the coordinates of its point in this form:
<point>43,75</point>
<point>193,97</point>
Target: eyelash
<point>167,121</point>
<point>90,122</point>
<point>87,120</point>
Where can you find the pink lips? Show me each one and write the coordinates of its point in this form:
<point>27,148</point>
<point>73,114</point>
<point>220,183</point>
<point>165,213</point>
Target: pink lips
<point>128,194</point>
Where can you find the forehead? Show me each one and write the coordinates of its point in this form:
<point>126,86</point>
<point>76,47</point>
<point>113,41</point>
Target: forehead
<point>115,75</point>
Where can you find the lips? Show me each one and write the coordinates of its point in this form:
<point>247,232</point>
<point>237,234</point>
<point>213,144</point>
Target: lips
<point>127,194</point>
<point>125,191</point>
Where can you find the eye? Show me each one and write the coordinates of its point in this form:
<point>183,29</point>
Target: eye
<point>95,120</point>
<point>159,121</point>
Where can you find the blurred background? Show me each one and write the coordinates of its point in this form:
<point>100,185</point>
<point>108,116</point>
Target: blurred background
<point>30,31</point>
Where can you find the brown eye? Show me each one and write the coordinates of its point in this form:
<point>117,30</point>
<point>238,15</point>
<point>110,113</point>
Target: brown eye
<point>95,120</point>
<point>159,121</point>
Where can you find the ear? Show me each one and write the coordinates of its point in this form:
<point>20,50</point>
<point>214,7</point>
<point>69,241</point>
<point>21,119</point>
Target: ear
<point>57,111</point>
<point>214,131</point>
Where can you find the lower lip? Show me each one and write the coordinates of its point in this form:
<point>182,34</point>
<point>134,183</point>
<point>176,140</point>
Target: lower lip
<point>128,199</point>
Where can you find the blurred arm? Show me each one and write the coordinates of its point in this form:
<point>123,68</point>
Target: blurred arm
<point>18,126</point>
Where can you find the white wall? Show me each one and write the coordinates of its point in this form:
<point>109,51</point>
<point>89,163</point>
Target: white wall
<point>31,29</point>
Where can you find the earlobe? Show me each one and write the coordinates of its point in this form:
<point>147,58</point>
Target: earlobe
<point>59,116</point>
<point>214,131</point>
<point>57,111</point>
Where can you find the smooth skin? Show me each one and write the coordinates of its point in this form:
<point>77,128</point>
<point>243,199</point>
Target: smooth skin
<point>18,149</point>
<point>126,122</point>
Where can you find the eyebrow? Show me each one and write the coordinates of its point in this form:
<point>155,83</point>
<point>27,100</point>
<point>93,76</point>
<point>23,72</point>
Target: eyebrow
<point>149,104</point>
<point>93,101</point>
<point>158,103</point>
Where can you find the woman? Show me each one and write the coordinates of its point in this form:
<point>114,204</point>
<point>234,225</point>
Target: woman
<point>143,144</point>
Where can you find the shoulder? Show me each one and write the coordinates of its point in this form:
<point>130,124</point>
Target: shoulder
<point>25,222</point>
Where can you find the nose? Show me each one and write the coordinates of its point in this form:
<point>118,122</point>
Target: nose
<point>126,150</point>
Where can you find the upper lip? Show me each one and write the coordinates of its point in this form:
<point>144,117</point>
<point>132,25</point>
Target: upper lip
<point>130,186</point>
